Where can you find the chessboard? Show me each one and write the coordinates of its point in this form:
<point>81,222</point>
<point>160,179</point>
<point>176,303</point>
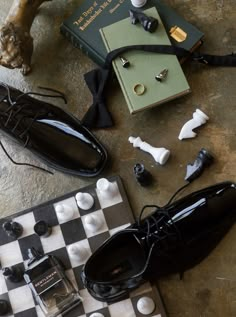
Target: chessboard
<point>116,214</point>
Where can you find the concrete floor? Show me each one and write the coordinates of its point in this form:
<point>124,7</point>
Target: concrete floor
<point>209,289</point>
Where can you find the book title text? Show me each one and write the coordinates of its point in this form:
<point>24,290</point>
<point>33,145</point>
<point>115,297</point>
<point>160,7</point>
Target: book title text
<point>89,15</point>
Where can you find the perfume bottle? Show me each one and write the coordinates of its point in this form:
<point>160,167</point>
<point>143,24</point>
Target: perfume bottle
<point>51,288</point>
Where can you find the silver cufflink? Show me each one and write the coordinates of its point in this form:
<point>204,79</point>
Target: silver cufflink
<point>125,63</point>
<point>162,75</point>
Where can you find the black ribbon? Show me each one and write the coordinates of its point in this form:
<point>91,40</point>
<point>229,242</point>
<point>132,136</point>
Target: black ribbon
<point>215,60</point>
<point>98,116</point>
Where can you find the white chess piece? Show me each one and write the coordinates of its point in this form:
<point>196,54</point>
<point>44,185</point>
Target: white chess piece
<point>199,118</point>
<point>160,155</point>
<point>77,253</point>
<point>84,201</point>
<point>64,212</point>
<point>97,315</point>
<point>93,223</point>
<point>146,305</point>
<point>106,188</point>
<point>138,3</point>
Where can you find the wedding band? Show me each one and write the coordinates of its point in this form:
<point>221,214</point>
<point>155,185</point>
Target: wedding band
<point>139,89</point>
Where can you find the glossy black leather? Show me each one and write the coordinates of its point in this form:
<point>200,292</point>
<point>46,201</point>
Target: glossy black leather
<point>51,133</point>
<point>172,239</point>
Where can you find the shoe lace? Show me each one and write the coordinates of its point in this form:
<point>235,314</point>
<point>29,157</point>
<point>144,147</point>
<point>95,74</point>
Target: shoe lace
<point>18,104</point>
<point>157,230</point>
<point>15,109</point>
<point>25,164</point>
<point>160,226</point>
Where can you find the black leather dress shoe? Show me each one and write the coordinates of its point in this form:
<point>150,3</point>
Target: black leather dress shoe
<point>54,135</point>
<point>170,240</point>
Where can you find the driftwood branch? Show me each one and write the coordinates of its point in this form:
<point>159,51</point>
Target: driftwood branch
<point>16,43</point>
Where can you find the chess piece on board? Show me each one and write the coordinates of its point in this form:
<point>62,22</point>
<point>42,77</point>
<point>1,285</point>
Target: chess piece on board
<point>97,315</point>
<point>4,307</point>
<point>93,222</point>
<point>84,201</point>
<point>13,229</point>
<point>42,229</point>
<point>107,189</point>
<point>64,212</point>
<point>13,274</point>
<point>146,305</point>
<point>77,253</point>
<point>33,255</point>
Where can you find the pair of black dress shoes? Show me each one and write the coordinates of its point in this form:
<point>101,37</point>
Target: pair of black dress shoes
<point>171,239</point>
<point>54,135</point>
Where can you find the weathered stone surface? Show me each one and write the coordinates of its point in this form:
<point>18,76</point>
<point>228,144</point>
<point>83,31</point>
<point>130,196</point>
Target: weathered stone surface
<point>209,289</point>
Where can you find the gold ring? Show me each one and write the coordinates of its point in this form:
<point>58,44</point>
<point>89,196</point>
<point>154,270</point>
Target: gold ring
<point>139,89</point>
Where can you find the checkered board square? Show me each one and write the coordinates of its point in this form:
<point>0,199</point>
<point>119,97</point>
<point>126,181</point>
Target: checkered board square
<point>115,213</point>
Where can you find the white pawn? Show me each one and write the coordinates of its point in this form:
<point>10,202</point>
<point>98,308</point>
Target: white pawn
<point>160,155</point>
<point>93,223</point>
<point>84,201</point>
<point>64,212</point>
<point>97,315</point>
<point>146,305</point>
<point>77,253</point>
<point>199,118</point>
<point>106,188</point>
<point>138,3</point>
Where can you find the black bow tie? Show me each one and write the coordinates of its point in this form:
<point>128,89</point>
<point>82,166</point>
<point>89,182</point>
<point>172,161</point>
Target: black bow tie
<point>97,115</point>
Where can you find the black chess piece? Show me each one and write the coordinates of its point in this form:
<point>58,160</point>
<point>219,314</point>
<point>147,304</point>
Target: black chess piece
<point>4,307</point>
<point>33,255</point>
<point>42,229</point>
<point>13,274</point>
<point>13,229</point>
<point>204,159</point>
<point>149,24</point>
<point>142,175</point>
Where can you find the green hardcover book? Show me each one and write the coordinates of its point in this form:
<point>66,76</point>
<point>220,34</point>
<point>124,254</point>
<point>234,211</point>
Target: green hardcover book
<point>138,82</point>
<point>82,27</point>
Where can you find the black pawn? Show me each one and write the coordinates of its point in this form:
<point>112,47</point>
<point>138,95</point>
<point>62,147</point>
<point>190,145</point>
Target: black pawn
<point>13,274</point>
<point>4,307</point>
<point>142,175</point>
<point>13,229</point>
<point>42,229</point>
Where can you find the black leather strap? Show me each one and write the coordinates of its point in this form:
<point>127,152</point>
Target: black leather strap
<point>215,60</point>
<point>161,49</point>
<point>97,115</point>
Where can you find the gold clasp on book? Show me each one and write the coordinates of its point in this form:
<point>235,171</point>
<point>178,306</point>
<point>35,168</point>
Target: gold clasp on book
<point>178,34</point>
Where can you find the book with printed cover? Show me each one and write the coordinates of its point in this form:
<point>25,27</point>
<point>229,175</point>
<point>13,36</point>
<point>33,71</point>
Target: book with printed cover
<point>138,83</point>
<point>82,27</point>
